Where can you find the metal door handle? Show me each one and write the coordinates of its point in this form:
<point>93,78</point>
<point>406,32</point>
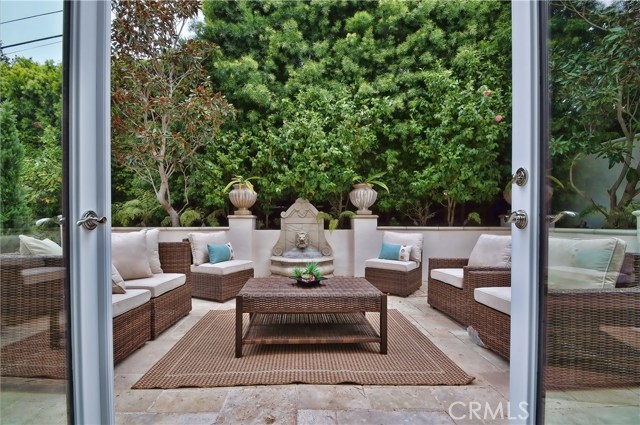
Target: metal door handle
<point>90,220</point>
<point>554,218</point>
<point>519,218</point>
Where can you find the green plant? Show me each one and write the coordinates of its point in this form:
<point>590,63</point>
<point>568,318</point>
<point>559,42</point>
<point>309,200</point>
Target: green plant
<point>333,221</point>
<point>309,273</point>
<point>372,179</point>
<point>246,181</point>
<point>473,217</point>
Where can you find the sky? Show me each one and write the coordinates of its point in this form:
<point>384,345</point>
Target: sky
<point>33,28</point>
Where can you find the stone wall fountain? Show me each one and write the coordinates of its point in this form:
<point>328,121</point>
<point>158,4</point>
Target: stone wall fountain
<point>301,241</point>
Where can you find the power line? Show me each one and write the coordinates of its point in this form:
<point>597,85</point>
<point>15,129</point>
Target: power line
<point>29,17</point>
<point>31,41</point>
<point>31,48</point>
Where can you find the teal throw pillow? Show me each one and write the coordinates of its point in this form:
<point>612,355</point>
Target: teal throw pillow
<point>389,251</point>
<point>219,252</point>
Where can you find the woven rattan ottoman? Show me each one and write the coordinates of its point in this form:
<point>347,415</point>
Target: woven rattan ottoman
<point>283,312</point>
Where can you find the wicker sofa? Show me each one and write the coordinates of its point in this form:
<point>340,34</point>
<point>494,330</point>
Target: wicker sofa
<point>452,280</point>
<point>591,334</point>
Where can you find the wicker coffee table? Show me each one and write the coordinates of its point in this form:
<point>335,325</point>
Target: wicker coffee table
<point>283,312</point>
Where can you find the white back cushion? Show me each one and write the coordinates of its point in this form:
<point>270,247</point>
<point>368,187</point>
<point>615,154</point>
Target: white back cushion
<point>199,241</point>
<point>491,250</point>
<point>129,254</point>
<point>33,246</point>
<point>153,252</point>
<point>413,239</point>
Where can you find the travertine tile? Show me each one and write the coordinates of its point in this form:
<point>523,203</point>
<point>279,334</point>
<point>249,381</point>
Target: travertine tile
<point>317,417</point>
<point>408,417</point>
<point>401,397</point>
<point>190,400</point>
<point>259,405</point>
<point>135,400</point>
<point>165,418</point>
<point>332,397</point>
<point>625,415</point>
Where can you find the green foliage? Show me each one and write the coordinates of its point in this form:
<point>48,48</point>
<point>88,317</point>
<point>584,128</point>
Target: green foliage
<point>595,81</point>
<point>310,272</point>
<point>325,91</point>
<point>190,217</point>
<point>242,181</point>
<point>13,206</point>
<point>35,92</point>
<point>372,179</point>
<point>137,212</point>
<point>334,221</point>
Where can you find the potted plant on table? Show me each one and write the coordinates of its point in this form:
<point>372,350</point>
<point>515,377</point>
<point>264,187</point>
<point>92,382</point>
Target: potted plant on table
<point>243,194</point>
<point>363,195</point>
<point>309,275</point>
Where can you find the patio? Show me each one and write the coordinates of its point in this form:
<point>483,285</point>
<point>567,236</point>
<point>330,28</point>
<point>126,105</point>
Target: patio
<point>324,404</point>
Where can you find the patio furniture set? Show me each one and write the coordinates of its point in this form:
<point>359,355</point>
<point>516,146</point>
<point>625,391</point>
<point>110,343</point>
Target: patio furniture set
<point>592,309</point>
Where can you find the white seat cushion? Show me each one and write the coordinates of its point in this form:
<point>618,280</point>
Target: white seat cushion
<point>399,266</point>
<point>42,275</point>
<point>498,298</point>
<point>453,277</point>
<point>223,268</point>
<point>157,284</point>
<point>121,303</point>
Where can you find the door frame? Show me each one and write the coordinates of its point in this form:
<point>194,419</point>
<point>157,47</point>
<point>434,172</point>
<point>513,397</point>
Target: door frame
<point>525,266</point>
<point>88,188</point>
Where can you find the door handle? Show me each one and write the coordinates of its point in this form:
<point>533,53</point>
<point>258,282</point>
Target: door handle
<point>554,218</point>
<point>519,218</point>
<point>90,220</point>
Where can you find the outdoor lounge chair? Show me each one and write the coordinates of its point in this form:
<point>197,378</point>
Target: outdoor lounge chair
<point>218,281</point>
<point>449,290</point>
<point>393,273</point>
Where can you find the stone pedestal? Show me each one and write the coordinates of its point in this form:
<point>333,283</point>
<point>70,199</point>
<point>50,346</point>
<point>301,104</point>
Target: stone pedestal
<point>241,229</point>
<point>366,241</point>
<point>637,214</point>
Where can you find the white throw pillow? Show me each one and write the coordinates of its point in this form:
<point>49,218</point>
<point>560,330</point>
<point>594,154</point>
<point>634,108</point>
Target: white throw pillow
<point>117,282</point>
<point>199,242</point>
<point>129,254</point>
<point>413,239</point>
<point>153,252</point>
<point>33,246</point>
<point>492,251</point>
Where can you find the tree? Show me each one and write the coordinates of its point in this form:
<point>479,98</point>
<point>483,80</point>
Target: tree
<point>13,206</point>
<point>278,58</point>
<point>164,107</point>
<point>596,83</point>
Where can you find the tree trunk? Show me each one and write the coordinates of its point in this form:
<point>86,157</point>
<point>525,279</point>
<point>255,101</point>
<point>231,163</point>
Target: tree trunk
<point>163,197</point>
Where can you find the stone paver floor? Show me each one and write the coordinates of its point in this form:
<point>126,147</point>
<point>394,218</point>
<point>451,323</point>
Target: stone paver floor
<point>482,402</point>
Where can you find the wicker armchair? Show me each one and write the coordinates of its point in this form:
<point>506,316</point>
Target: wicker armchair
<point>397,277</point>
<point>457,302</point>
<point>218,287</point>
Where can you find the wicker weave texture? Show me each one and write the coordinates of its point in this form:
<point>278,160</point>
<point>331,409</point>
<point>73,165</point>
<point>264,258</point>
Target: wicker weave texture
<point>219,288</point>
<point>458,302</point>
<point>284,295</point>
<point>130,331</point>
<point>395,282</point>
<point>168,308</point>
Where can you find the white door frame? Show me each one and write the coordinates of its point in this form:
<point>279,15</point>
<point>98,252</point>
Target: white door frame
<point>526,148</point>
<point>89,183</point>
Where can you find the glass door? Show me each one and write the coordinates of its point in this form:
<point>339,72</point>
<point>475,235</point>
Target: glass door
<point>575,295</point>
<point>590,310</point>
<point>35,382</point>
<point>56,364</point>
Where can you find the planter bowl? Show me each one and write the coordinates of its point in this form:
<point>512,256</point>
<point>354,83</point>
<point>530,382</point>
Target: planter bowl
<point>363,196</point>
<point>242,198</point>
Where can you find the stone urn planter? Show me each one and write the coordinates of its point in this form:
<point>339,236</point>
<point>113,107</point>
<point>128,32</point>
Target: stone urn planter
<point>242,198</point>
<point>363,196</point>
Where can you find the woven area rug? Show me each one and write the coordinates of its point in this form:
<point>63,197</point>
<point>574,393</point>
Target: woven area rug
<point>33,358</point>
<point>205,357</point>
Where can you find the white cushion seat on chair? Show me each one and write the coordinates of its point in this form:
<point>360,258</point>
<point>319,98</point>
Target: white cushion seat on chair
<point>121,303</point>
<point>453,277</point>
<point>157,284</point>
<point>401,266</point>
<point>497,297</point>
<point>223,268</point>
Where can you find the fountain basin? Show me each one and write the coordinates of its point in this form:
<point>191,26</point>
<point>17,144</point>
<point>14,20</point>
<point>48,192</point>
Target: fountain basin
<point>283,266</point>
